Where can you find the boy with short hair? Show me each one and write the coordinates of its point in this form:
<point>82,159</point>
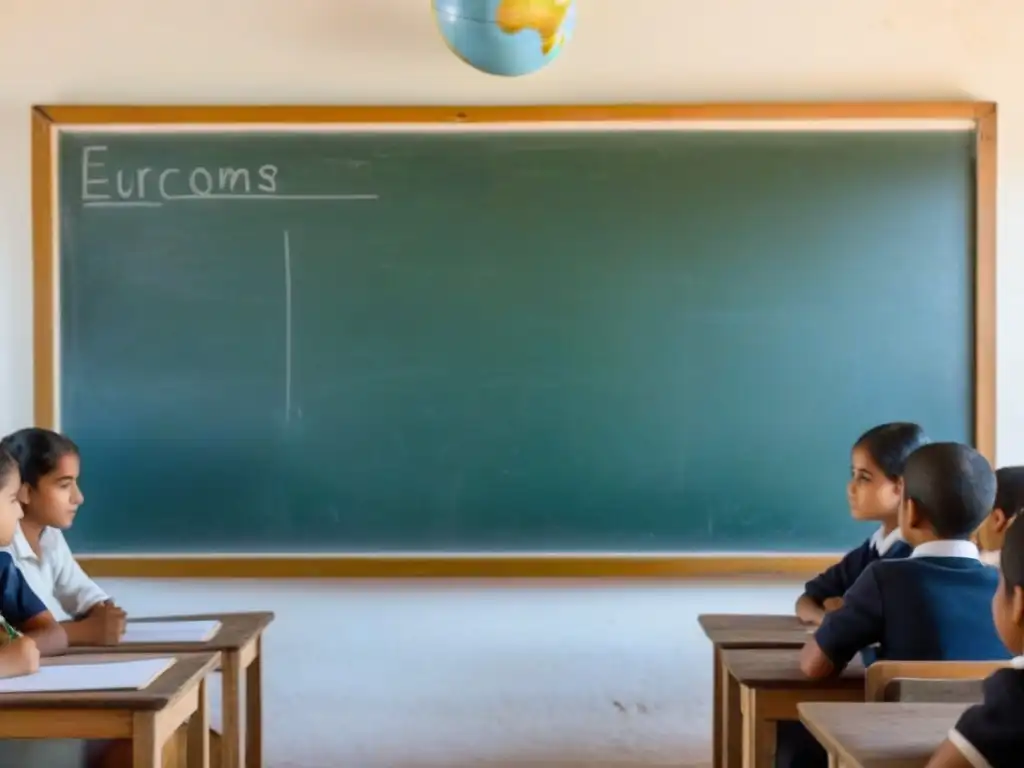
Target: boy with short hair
<point>991,734</point>
<point>1009,501</point>
<point>932,606</point>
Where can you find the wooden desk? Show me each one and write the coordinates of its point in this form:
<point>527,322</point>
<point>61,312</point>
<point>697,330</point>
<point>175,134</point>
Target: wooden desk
<point>880,735</point>
<point>771,686</point>
<point>147,717</point>
<point>239,643</point>
<point>731,631</point>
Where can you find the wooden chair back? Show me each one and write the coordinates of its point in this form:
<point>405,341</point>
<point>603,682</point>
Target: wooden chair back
<point>928,681</point>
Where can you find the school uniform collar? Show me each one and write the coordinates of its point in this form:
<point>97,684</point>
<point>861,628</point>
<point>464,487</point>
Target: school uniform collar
<point>947,548</point>
<point>991,557</point>
<point>22,549</point>
<point>882,542</point>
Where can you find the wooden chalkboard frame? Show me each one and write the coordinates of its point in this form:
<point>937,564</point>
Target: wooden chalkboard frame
<point>48,121</point>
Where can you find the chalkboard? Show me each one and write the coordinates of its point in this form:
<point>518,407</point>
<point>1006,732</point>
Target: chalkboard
<point>520,341</point>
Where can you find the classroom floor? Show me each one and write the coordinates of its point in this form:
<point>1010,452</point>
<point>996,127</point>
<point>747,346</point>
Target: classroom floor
<point>460,675</point>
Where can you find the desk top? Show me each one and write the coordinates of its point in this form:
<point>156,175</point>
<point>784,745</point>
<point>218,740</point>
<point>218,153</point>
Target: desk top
<point>741,630</point>
<point>881,735</point>
<point>235,631</point>
<point>186,671</point>
<point>780,668</point>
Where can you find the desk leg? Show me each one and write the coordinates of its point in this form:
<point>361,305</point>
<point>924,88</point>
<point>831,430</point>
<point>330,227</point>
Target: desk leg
<point>732,722</point>
<point>198,750</point>
<point>231,743</point>
<point>717,734</point>
<point>146,752</point>
<point>254,709</point>
<point>759,733</point>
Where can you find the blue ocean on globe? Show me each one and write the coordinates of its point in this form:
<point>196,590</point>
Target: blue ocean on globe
<point>506,37</point>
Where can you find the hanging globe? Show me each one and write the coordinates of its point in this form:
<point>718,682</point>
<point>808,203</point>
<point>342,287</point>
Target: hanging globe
<point>506,37</point>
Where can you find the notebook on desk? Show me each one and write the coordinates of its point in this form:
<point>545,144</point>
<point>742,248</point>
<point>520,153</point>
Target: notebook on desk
<point>187,631</point>
<point>102,676</point>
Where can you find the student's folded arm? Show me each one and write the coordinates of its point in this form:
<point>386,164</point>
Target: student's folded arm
<point>809,610</point>
<point>48,634</point>
<point>832,582</point>
<point>78,632</point>
<point>813,661</point>
<point>27,613</point>
<point>847,630</point>
<point>74,590</point>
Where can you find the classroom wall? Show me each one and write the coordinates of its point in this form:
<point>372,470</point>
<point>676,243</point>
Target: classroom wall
<point>388,51</point>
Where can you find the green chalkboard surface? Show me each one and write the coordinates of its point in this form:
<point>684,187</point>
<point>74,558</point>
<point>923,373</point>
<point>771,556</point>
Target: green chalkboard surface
<point>521,342</point>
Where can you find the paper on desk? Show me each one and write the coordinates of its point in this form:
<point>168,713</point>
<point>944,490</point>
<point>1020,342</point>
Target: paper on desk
<point>106,676</point>
<point>195,631</point>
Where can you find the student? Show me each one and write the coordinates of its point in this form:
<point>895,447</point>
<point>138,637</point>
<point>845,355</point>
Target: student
<point>1009,501</point>
<point>38,632</point>
<point>873,493</point>
<point>49,464</point>
<point>991,734</point>
<point>931,606</point>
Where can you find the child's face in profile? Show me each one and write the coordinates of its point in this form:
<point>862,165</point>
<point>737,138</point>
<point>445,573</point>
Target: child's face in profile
<point>1008,613</point>
<point>870,493</point>
<point>10,507</point>
<point>55,499</point>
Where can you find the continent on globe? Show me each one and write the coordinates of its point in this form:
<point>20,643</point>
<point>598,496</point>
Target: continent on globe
<point>506,37</point>
<point>545,17</point>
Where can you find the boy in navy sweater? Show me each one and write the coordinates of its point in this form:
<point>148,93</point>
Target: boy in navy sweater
<point>932,606</point>
<point>936,604</point>
<point>991,734</point>
<point>873,493</point>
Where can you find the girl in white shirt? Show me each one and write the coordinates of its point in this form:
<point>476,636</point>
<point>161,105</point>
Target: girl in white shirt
<point>50,497</point>
<point>50,465</point>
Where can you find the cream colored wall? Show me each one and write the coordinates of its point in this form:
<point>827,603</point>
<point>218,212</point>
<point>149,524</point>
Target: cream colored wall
<point>387,51</point>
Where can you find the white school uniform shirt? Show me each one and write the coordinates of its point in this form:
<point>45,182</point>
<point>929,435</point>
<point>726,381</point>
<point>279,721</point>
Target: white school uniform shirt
<point>991,557</point>
<point>882,542</point>
<point>54,576</point>
<point>947,548</point>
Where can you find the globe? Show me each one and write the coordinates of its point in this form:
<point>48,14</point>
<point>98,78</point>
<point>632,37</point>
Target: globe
<point>506,37</point>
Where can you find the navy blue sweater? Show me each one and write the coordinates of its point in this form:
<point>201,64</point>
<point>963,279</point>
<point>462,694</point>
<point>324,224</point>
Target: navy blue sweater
<point>834,581</point>
<point>994,729</point>
<point>917,609</point>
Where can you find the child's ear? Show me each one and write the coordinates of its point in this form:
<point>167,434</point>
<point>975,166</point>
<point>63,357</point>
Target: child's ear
<point>913,515</point>
<point>1017,606</point>
<point>999,520</point>
<point>23,494</point>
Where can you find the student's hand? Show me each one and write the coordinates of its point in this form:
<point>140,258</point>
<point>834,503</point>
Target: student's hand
<point>19,657</point>
<point>809,612</point>
<point>103,624</point>
<point>832,604</point>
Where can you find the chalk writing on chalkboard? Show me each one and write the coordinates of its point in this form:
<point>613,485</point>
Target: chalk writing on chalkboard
<point>152,187</point>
